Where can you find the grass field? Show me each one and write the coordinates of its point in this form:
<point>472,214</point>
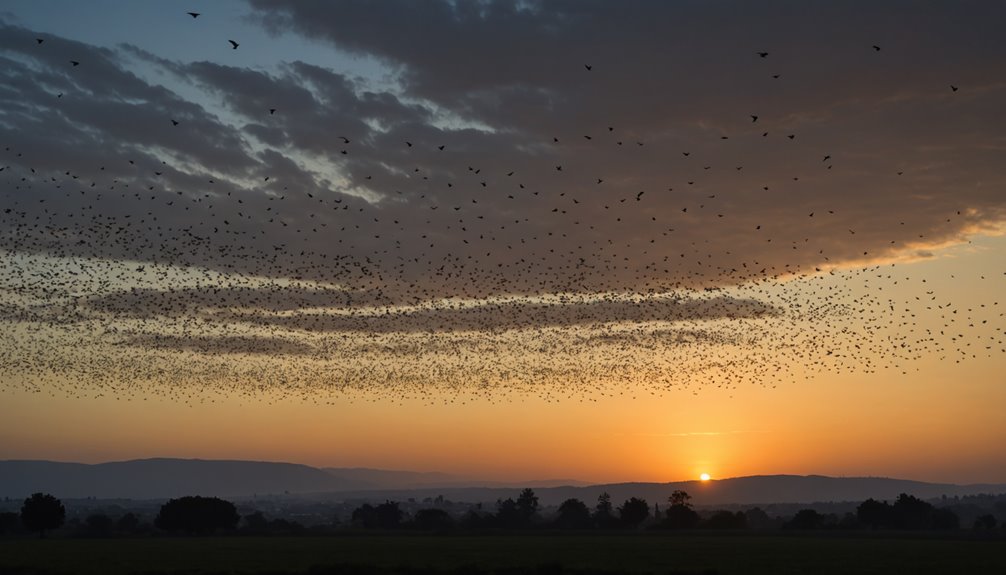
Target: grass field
<point>545,554</point>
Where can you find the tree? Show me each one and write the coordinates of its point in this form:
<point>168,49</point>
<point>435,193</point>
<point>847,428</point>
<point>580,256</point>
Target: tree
<point>680,516</point>
<point>387,515</point>
<point>128,524</point>
<point>508,514</point>
<point>874,514</point>
<point>910,512</point>
<point>679,497</point>
<point>197,515</point>
<point>987,522</point>
<point>756,518</point>
<point>634,511</point>
<point>573,514</point>
<point>604,512</point>
<point>42,511</point>
<point>527,504</point>
<point>364,516</point>
<point>256,522</point>
<point>433,519</point>
<point>805,519</point>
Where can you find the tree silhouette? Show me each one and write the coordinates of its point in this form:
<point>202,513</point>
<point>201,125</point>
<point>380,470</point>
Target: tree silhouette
<point>42,511</point>
<point>634,511</point>
<point>757,518</point>
<point>910,512</point>
<point>680,516</point>
<point>679,497</point>
<point>679,513</point>
<point>508,514</point>
<point>604,511</point>
<point>433,519</point>
<point>805,519</point>
<point>874,514</point>
<point>573,514</point>
<point>387,515</point>
<point>127,524</point>
<point>527,504</point>
<point>197,515</point>
<point>987,522</point>
<point>256,522</point>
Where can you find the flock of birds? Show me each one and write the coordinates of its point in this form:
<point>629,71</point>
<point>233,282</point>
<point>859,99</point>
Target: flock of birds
<point>446,281</point>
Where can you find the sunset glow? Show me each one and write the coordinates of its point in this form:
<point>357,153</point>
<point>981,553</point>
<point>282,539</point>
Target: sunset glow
<point>506,241</point>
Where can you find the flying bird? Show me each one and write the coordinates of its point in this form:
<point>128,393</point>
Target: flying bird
<point>193,14</point>
<point>234,45</point>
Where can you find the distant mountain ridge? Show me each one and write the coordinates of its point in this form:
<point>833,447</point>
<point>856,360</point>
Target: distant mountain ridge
<point>162,478</point>
<point>159,478</point>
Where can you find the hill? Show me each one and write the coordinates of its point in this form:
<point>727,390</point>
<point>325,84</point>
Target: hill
<point>164,478</point>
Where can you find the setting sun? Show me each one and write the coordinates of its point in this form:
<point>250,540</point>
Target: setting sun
<point>704,477</point>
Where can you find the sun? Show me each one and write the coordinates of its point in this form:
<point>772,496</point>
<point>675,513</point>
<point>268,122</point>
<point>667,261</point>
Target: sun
<point>704,477</point>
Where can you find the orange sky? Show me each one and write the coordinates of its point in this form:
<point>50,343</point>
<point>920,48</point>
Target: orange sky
<point>942,421</point>
<point>356,242</point>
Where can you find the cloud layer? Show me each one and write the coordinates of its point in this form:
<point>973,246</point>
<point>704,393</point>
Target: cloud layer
<point>606,155</point>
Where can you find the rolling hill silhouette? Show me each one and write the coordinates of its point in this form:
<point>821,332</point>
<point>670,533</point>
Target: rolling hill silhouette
<point>163,478</point>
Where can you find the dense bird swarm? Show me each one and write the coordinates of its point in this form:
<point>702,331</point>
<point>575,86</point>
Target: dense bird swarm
<point>600,262</point>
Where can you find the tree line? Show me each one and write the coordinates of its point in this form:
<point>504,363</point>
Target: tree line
<point>194,515</point>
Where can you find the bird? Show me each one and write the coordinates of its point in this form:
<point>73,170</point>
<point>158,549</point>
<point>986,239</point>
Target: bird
<point>75,63</point>
<point>588,67</point>
<point>953,88</point>
<point>234,45</point>
<point>193,14</point>
<point>763,54</point>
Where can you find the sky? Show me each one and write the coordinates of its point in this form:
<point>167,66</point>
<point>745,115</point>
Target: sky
<point>605,241</point>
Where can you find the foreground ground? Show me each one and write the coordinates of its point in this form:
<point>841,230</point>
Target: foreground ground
<point>545,554</point>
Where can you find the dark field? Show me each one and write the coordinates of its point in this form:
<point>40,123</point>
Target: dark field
<point>545,554</point>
